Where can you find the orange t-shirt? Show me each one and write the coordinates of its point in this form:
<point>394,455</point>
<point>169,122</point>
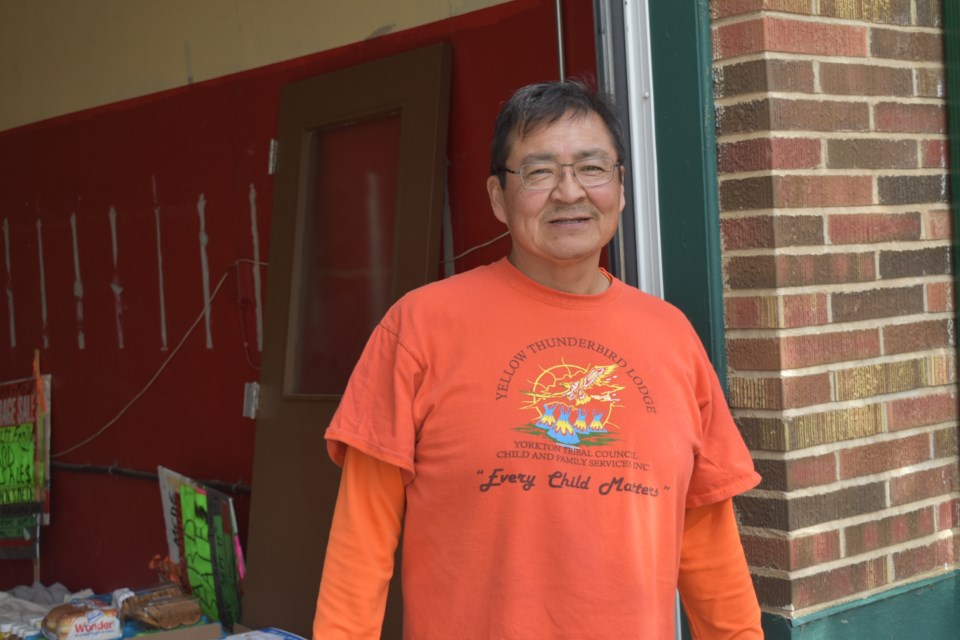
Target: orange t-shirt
<point>550,444</point>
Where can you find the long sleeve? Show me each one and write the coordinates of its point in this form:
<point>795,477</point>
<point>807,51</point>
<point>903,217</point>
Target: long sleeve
<point>359,559</point>
<point>715,586</point>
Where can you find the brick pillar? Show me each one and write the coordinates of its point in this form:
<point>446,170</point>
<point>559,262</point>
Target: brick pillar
<point>839,295</point>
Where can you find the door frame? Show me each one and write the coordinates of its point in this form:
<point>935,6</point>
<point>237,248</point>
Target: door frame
<point>659,53</point>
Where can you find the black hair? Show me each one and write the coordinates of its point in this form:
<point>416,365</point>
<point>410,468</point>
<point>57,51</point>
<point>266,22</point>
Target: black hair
<point>537,105</point>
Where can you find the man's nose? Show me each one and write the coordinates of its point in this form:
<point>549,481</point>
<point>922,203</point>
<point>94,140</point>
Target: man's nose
<point>568,187</point>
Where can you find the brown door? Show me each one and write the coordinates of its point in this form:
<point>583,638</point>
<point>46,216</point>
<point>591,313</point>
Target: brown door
<point>356,223</point>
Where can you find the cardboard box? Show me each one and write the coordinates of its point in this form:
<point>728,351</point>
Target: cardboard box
<point>269,633</point>
<point>210,631</point>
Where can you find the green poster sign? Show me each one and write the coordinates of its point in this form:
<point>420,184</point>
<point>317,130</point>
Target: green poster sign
<point>17,455</point>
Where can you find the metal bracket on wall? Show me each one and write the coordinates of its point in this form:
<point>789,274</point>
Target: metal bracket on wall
<point>251,399</point>
<point>272,160</point>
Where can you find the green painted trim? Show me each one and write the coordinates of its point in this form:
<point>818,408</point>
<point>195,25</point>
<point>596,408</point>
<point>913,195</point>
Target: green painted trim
<point>928,609</point>
<point>687,168</point>
<point>951,41</point>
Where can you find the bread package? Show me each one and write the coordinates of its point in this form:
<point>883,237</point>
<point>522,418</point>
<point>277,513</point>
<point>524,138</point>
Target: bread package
<point>163,606</point>
<point>82,620</point>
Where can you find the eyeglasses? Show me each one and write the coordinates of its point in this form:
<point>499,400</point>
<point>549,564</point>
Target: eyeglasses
<point>589,172</point>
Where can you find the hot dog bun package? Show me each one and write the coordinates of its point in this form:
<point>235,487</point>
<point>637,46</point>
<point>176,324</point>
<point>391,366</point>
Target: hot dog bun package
<point>164,606</point>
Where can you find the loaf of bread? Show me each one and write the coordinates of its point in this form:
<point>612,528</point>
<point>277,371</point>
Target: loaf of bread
<point>82,620</point>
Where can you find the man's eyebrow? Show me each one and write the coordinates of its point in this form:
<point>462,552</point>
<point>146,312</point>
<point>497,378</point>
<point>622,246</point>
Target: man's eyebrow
<point>596,152</point>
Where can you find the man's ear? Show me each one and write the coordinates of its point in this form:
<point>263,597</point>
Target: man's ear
<point>495,191</point>
<point>623,198</point>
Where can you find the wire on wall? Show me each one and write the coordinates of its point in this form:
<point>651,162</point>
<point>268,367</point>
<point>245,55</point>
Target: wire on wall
<point>163,365</point>
<point>475,247</point>
<point>234,488</point>
<point>173,352</point>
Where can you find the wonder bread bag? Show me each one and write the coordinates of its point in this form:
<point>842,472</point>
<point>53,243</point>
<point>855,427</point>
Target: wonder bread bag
<point>82,620</point>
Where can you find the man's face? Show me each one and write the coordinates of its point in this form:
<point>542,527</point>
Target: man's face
<point>566,226</point>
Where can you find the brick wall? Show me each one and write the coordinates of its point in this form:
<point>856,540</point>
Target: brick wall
<point>840,318</point>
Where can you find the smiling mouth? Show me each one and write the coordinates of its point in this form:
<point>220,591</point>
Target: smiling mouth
<point>563,221</point>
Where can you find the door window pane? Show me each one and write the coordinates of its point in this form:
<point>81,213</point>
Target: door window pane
<point>347,267</point>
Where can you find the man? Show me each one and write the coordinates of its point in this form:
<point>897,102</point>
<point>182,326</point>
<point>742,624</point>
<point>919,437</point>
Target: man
<point>554,443</point>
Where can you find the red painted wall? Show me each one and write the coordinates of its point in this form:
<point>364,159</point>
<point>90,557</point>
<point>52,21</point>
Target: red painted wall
<point>210,139</point>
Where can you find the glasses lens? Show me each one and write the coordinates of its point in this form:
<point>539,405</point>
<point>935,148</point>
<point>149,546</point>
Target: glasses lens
<point>590,172</point>
<point>594,172</point>
<point>541,175</point>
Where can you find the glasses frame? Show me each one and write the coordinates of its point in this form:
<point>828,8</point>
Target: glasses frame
<point>519,173</point>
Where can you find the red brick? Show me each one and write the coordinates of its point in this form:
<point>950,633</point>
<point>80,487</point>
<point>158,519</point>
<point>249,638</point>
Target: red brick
<point>931,261</point>
<point>906,45</point>
<point>776,393</point>
<point>764,76</point>
<point>865,80</point>
<point>869,228</point>
<point>870,153</point>
<point>940,297</point>
<point>804,310</point>
<point>751,312</point>
<point>743,312</point>
<point>911,189</point>
<point>815,549</point>
<point>737,39</point>
<point>803,230</point>
<point>948,514</point>
<point>815,38</point>
<point>812,471</point>
<point>934,154</point>
<point>808,510</point>
<point>754,354</point>
<point>840,583</point>
<point>725,8</point>
<point>755,393</point>
<point>773,34</point>
<point>818,115</point>
<point>822,191</point>
<point>908,413</point>
<point>921,485</point>
<point>754,232</point>
<point>747,233</point>
<point>745,155</point>
<point>945,442</point>
<point>886,532</point>
<point>768,153</point>
<point>910,118</point>
<point>913,562</point>
<point>826,348</point>
<point>779,114</point>
<point>765,312</point>
<point>773,592</point>
<point>876,303</point>
<point>917,336</point>
<point>750,272</point>
<point>937,225</point>
<point>828,268</point>
<point>768,231</point>
<point>746,194</point>
<point>929,13</point>
<point>930,83</point>
<point>806,391</point>
<point>791,554</point>
<point>778,433</point>
<point>762,551</point>
<point>883,456</point>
